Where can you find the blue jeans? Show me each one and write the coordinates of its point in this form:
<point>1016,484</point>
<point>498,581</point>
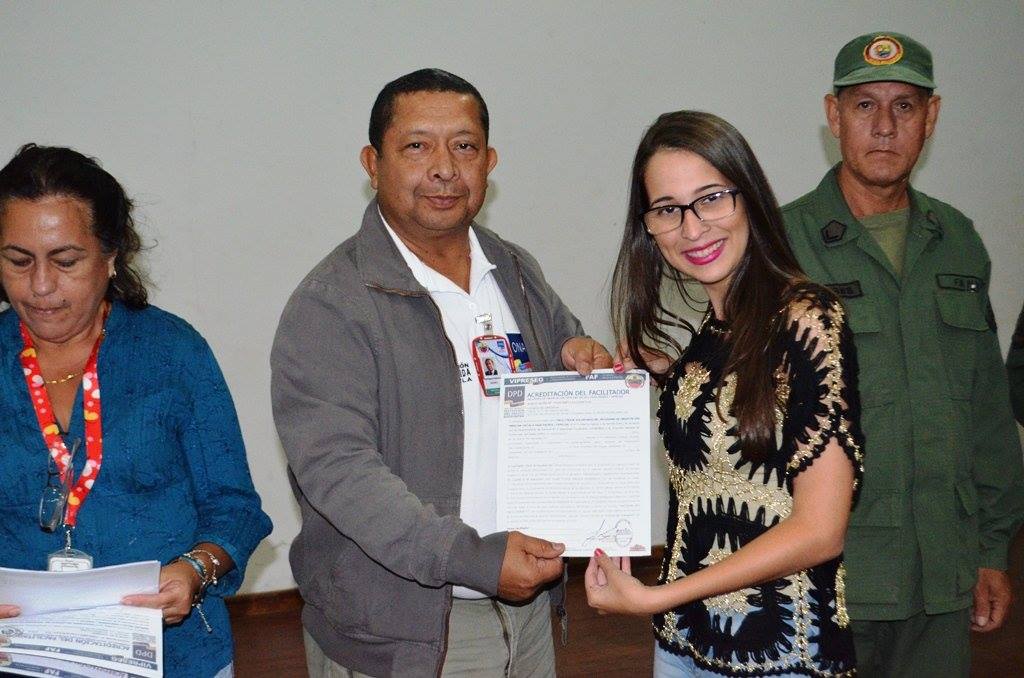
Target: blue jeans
<point>668,665</point>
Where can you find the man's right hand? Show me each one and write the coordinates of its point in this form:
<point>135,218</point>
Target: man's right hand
<point>529,563</point>
<point>9,611</point>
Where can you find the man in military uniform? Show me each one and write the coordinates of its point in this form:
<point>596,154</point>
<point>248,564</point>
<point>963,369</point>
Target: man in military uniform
<point>943,492</point>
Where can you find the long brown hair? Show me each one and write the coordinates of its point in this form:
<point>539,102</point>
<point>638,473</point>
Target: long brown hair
<point>764,280</point>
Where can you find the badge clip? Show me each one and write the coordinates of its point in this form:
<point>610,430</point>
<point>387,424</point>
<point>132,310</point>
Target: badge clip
<point>68,559</point>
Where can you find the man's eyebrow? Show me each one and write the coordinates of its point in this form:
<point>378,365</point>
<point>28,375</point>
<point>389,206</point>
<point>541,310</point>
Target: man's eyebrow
<point>465,131</point>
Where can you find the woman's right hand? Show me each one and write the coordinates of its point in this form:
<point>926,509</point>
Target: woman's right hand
<point>7,611</point>
<point>657,362</point>
<point>179,584</point>
<point>611,588</point>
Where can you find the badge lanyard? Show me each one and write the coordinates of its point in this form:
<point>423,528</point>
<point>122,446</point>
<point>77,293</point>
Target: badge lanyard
<point>55,445</point>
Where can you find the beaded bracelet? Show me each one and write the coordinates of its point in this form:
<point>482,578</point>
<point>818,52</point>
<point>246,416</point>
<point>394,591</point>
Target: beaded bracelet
<point>198,566</point>
<point>213,560</point>
<point>205,579</point>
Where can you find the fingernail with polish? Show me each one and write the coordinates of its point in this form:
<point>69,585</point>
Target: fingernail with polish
<point>598,552</point>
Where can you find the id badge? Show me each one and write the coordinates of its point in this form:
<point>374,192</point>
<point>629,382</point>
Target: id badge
<point>68,560</point>
<point>492,356</point>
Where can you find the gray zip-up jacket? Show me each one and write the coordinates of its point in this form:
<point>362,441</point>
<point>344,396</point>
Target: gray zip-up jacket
<point>368,404</point>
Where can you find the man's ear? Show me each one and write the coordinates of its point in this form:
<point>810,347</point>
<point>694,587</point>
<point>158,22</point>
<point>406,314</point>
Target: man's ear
<point>832,114</point>
<point>368,157</point>
<point>934,103</point>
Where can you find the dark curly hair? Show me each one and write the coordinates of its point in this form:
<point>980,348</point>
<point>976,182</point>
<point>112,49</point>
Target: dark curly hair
<point>39,171</point>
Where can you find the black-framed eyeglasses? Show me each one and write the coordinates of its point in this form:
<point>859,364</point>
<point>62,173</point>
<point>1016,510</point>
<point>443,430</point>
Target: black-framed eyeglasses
<point>54,499</point>
<point>711,207</point>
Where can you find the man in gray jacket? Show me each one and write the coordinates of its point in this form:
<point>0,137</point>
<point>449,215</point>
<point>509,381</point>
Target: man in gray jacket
<point>389,423</point>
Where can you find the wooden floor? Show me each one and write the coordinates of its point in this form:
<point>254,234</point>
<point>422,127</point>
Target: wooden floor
<point>268,636</point>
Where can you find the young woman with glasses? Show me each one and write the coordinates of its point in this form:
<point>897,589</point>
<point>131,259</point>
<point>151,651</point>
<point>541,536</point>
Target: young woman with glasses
<point>759,416</point>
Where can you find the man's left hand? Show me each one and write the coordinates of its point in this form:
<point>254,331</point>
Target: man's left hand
<point>584,355</point>
<point>992,596</point>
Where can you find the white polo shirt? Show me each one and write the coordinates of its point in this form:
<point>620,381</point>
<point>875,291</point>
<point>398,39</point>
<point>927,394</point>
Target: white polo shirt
<point>459,311</point>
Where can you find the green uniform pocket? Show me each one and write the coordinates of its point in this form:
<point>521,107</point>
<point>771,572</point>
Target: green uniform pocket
<point>872,380</point>
<point>963,318</point>
<point>963,310</point>
<point>872,549</point>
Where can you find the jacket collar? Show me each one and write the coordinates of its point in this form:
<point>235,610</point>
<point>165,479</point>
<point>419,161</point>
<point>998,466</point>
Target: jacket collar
<point>378,260</point>
<point>382,265</point>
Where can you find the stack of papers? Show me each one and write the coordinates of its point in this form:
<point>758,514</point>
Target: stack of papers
<point>72,623</point>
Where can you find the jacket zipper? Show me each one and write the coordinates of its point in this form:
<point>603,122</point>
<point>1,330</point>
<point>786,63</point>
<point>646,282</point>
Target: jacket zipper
<point>462,412</point>
<point>447,631</point>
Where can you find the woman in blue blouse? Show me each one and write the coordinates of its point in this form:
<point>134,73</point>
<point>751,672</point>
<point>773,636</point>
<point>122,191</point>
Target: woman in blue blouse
<point>128,396</point>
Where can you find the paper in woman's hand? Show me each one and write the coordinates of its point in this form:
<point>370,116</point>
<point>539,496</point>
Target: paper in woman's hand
<point>40,591</point>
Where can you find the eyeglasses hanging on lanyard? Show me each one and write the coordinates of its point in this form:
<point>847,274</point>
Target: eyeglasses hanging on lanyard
<point>62,498</point>
<point>53,503</point>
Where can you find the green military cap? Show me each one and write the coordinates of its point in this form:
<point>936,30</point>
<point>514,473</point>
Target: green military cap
<point>878,57</point>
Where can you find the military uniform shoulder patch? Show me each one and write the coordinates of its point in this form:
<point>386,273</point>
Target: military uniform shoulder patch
<point>833,232</point>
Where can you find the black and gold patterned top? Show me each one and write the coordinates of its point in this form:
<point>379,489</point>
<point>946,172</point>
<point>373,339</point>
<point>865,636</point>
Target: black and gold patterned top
<point>720,501</point>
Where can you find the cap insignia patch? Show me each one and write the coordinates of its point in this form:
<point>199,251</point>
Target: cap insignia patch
<point>883,50</point>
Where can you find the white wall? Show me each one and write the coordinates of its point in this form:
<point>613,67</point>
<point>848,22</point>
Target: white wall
<point>236,126</point>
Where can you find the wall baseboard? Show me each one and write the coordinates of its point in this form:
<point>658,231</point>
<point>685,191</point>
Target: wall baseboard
<point>269,602</point>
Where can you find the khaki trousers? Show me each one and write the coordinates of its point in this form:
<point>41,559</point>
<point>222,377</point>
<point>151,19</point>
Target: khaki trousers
<point>486,638</point>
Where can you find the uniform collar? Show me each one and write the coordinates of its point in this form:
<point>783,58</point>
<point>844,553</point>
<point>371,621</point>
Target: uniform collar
<point>839,226</point>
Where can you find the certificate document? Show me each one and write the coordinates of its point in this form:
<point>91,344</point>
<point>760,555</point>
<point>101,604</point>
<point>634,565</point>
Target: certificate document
<point>574,461</point>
